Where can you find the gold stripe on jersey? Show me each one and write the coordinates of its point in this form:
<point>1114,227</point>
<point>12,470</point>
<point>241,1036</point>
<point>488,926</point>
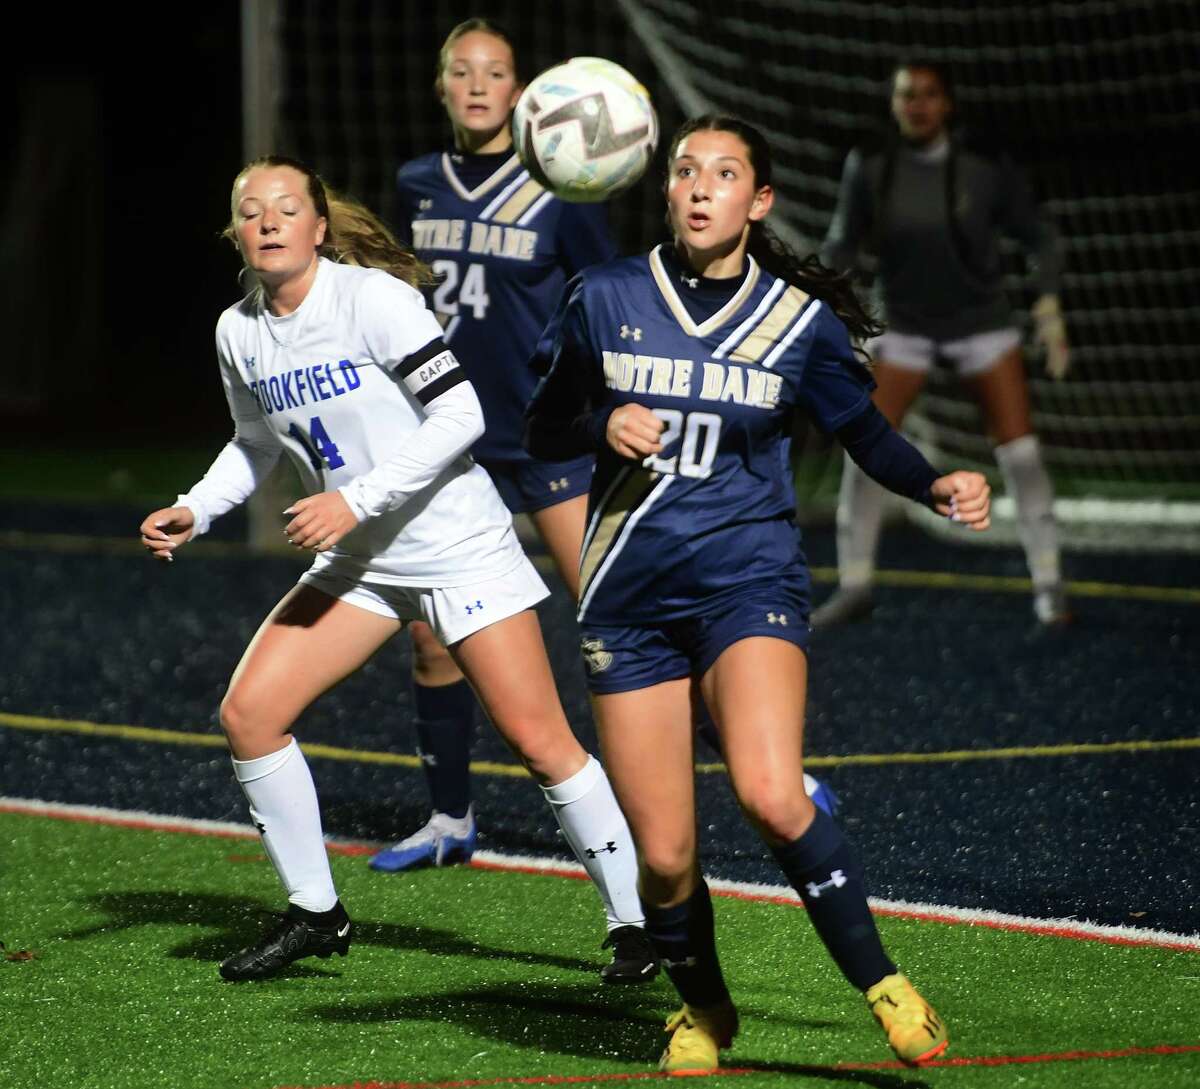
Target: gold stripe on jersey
<point>623,501</point>
<point>671,297</point>
<point>766,334</point>
<point>518,202</point>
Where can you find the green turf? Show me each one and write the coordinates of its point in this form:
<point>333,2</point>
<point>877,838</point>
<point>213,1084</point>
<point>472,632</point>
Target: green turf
<point>120,474</point>
<point>467,974</point>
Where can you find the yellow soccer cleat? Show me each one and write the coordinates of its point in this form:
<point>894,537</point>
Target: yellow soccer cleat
<point>914,1030</point>
<point>697,1035</point>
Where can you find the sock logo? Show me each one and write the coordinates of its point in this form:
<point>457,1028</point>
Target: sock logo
<point>609,848</point>
<point>687,962</point>
<point>836,880</point>
<point>427,758</point>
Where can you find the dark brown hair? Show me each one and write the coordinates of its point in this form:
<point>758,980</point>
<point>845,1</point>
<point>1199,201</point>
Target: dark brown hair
<point>772,253</point>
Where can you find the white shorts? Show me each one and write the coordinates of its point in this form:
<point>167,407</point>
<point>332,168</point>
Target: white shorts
<point>453,612</point>
<point>971,355</point>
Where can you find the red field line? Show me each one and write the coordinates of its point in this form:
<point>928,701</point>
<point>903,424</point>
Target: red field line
<point>893,1064</point>
<point>922,913</point>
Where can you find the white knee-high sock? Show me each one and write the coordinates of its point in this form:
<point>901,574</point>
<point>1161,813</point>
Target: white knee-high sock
<point>861,506</point>
<point>1029,484</point>
<point>283,806</point>
<point>587,812</point>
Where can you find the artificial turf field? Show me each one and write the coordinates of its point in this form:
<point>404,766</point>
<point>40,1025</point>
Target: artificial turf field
<point>469,975</point>
<point>982,764</point>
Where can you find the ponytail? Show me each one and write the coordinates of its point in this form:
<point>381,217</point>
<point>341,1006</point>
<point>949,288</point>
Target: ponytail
<point>356,236</point>
<point>813,278</point>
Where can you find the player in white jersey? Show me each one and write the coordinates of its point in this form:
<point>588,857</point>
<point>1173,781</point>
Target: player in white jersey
<point>344,369</point>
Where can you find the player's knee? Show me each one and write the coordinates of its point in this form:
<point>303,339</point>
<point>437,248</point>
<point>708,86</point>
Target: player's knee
<point>547,748</point>
<point>245,723</point>
<point>779,812</point>
<point>668,860</point>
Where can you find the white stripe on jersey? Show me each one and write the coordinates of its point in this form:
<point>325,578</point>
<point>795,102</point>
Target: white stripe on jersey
<point>731,341</point>
<point>484,186</point>
<point>451,325</point>
<point>622,539</point>
<point>503,195</point>
<point>794,332</point>
<point>536,207</point>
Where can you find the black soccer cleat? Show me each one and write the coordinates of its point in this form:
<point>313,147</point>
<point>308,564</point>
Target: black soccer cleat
<point>634,959</point>
<point>291,938</point>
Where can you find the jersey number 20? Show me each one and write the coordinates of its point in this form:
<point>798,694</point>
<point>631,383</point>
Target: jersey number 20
<point>701,432</point>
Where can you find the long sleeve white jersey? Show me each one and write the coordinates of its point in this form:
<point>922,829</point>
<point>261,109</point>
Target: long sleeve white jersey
<point>358,388</point>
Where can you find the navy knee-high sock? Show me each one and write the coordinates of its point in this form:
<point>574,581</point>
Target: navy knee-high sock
<point>445,726</point>
<point>822,869</point>
<point>684,940</point>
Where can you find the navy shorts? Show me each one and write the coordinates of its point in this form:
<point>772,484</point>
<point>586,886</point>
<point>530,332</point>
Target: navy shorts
<point>527,486</point>
<point>623,659</point>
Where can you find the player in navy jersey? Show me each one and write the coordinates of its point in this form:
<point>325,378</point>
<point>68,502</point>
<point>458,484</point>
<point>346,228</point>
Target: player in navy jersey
<point>682,369</point>
<point>502,247</point>
<point>335,360</point>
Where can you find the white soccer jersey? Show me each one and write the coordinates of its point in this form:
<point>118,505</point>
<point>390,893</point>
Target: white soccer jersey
<point>358,388</point>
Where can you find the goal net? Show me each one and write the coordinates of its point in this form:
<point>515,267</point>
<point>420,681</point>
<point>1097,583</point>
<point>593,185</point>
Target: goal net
<point>1097,100</point>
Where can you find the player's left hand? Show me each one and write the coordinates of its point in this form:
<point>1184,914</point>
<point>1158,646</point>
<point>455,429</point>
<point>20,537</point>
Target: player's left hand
<point>319,521</point>
<point>964,497</point>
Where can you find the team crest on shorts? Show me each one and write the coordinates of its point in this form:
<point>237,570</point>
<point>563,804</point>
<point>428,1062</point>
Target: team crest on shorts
<point>597,658</point>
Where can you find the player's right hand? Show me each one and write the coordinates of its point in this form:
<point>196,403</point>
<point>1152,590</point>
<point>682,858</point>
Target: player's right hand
<point>633,431</point>
<point>165,530</point>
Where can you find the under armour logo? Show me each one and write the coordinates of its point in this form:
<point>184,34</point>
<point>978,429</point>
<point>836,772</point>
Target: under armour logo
<point>692,281</point>
<point>424,204</point>
<point>472,608</point>
<point>626,333</point>
<point>836,880</point>
<point>427,758</point>
<point>559,484</point>
<point>609,848</point>
<point>249,360</point>
<point>687,962</point>
<point>777,618</point>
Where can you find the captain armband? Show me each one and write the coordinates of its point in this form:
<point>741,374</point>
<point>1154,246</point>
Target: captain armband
<point>431,371</point>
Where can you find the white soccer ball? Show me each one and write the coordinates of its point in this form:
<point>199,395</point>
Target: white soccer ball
<point>585,129</point>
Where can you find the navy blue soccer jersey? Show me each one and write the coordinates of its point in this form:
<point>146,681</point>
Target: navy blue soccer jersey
<point>504,248</point>
<point>669,537</point>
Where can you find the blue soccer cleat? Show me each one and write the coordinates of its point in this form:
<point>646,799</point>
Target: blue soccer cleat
<point>822,795</point>
<point>444,841</point>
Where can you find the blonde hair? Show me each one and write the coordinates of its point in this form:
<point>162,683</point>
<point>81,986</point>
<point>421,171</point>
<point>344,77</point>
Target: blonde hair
<point>354,235</point>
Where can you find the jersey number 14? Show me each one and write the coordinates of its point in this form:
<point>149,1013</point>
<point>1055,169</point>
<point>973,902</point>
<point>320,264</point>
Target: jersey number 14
<point>321,450</point>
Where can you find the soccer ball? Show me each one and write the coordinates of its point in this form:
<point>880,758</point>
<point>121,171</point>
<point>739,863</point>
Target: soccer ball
<point>585,129</point>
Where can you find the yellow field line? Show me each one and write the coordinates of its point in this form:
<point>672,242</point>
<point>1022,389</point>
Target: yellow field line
<point>1013,584</point>
<point>76,544</point>
<point>488,767</point>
